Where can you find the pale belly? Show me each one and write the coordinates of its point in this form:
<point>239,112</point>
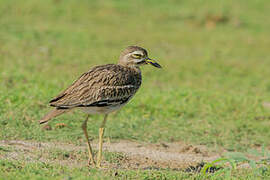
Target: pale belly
<point>101,110</point>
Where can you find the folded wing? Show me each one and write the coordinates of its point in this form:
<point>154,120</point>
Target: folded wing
<point>101,86</point>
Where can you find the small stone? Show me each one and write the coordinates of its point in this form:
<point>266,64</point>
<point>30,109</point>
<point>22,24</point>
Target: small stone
<point>164,145</point>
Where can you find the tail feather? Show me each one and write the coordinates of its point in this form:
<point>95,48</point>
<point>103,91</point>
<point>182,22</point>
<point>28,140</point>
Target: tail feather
<point>52,114</point>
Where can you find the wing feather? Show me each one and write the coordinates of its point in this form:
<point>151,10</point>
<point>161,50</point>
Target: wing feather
<point>101,85</point>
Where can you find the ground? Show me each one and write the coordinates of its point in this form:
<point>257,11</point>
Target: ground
<point>211,97</point>
<point>179,159</point>
<point>132,155</point>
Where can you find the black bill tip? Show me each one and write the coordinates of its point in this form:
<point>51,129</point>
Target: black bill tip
<point>155,64</point>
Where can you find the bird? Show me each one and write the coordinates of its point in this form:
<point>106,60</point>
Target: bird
<point>102,90</point>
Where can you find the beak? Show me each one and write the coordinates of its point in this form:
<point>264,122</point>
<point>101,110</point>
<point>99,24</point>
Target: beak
<point>152,62</point>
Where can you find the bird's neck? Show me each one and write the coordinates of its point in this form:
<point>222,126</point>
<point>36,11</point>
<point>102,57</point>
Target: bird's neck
<point>137,69</point>
<point>132,67</point>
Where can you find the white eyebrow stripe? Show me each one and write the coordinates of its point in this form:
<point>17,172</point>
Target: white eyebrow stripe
<point>137,52</point>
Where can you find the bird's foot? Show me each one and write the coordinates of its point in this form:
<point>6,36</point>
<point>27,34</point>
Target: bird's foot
<point>98,166</point>
<point>91,163</point>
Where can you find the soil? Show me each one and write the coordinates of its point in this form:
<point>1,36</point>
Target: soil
<point>129,155</point>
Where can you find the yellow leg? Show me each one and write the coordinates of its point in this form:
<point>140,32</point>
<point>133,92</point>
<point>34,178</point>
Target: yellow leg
<point>90,155</point>
<point>101,133</point>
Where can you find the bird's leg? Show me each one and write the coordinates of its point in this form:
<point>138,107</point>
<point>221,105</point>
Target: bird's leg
<point>101,132</point>
<point>90,155</point>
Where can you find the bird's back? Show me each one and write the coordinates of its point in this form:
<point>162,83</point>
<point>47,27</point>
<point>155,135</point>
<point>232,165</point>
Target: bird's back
<point>105,85</point>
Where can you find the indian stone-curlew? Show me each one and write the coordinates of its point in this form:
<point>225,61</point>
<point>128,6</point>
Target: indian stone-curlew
<point>102,90</point>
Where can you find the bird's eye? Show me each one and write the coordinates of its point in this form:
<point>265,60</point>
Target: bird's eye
<point>137,56</point>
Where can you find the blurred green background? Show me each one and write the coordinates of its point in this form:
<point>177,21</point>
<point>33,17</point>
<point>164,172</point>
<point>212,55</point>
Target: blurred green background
<point>214,88</point>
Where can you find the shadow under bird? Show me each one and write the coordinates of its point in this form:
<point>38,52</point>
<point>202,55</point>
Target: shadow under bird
<point>102,90</point>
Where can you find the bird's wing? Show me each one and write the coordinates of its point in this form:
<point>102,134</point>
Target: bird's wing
<point>100,86</point>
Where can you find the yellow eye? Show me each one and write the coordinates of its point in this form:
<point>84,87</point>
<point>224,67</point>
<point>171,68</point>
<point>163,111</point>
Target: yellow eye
<point>137,56</point>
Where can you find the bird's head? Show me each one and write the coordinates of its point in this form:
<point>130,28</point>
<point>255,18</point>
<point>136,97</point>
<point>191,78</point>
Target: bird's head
<point>136,56</point>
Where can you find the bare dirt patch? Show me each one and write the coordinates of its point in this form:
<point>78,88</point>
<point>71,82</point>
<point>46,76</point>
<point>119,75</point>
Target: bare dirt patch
<point>122,154</point>
<point>169,155</point>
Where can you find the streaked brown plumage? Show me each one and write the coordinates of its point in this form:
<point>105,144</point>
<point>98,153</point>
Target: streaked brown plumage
<point>103,89</point>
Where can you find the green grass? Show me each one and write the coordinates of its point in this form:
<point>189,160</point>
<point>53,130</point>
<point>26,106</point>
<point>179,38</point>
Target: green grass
<point>20,170</point>
<point>210,91</point>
